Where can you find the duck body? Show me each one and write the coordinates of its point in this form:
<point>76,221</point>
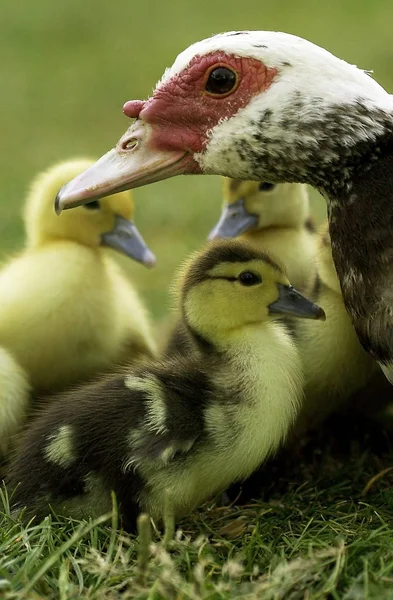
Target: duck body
<point>67,311</point>
<point>272,106</point>
<point>362,254</point>
<point>80,314</point>
<point>335,363</point>
<point>109,431</point>
<point>232,453</point>
<point>14,399</point>
<point>186,424</point>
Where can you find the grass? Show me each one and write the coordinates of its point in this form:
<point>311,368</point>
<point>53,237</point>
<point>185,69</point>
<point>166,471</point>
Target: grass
<point>323,529</point>
<point>66,69</point>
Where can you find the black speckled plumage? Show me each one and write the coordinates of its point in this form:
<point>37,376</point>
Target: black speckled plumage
<point>311,150</point>
<point>177,421</point>
<point>100,416</point>
<point>363,252</point>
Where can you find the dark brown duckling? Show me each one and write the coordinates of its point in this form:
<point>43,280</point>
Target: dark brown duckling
<point>190,424</point>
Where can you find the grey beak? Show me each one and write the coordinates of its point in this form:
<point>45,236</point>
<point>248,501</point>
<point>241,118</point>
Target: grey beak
<point>291,302</point>
<point>234,220</point>
<point>126,238</point>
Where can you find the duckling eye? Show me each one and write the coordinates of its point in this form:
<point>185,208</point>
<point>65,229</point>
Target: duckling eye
<point>221,81</point>
<point>95,205</point>
<point>248,278</point>
<point>266,187</point>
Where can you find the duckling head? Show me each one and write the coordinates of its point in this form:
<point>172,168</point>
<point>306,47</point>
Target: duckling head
<point>326,269</point>
<point>230,285</point>
<point>107,222</point>
<point>250,205</point>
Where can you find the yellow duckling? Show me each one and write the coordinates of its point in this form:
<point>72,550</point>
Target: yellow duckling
<point>272,217</point>
<point>335,364</point>
<point>67,310</point>
<point>14,399</point>
<point>190,423</point>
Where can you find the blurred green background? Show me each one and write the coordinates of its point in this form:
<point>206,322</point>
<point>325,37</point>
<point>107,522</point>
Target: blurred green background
<point>67,67</point>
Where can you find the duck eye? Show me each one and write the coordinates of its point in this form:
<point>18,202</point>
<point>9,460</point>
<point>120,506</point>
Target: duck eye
<point>248,278</point>
<point>221,81</point>
<point>266,187</point>
<point>95,205</point>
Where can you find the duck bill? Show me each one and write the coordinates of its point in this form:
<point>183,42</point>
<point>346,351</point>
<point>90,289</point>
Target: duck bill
<point>234,220</point>
<point>132,163</point>
<point>125,238</point>
<point>291,302</point>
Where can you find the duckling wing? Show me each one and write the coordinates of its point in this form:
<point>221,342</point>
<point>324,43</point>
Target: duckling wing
<point>159,448</point>
<point>108,435</point>
<point>174,401</point>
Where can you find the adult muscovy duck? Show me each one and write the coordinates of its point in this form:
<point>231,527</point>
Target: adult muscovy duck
<point>272,106</point>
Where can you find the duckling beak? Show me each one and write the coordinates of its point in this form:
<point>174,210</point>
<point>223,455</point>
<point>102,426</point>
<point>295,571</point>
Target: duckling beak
<point>291,302</point>
<point>234,220</point>
<point>126,238</point>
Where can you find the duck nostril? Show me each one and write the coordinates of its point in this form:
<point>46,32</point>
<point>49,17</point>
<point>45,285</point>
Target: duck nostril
<point>129,144</point>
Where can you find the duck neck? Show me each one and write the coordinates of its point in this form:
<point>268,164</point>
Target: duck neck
<point>244,339</point>
<point>248,337</point>
<point>361,228</point>
<point>348,169</point>
<point>291,214</point>
<point>297,213</point>
<point>39,242</point>
<point>216,343</point>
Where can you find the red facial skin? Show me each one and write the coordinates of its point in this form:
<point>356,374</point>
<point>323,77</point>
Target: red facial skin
<point>171,129</point>
<point>181,112</point>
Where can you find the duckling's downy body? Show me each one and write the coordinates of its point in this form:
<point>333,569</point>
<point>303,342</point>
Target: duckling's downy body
<point>335,364</point>
<point>14,399</point>
<point>272,217</point>
<point>67,310</point>
<point>187,424</point>
<point>68,313</point>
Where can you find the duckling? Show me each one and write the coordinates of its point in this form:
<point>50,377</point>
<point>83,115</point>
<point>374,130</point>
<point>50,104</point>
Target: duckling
<point>270,217</point>
<point>14,399</point>
<point>274,217</point>
<point>335,364</point>
<point>67,310</point>
<point>188,424</point>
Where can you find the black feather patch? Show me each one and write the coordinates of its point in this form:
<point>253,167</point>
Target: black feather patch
<point>361,229</point>
<point>111,426</point>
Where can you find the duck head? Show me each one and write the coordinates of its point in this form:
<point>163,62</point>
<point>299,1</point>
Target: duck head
<point>106,222</point>
<point>229,285</point>
<point>250,205</point>
<point>257,105</point>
